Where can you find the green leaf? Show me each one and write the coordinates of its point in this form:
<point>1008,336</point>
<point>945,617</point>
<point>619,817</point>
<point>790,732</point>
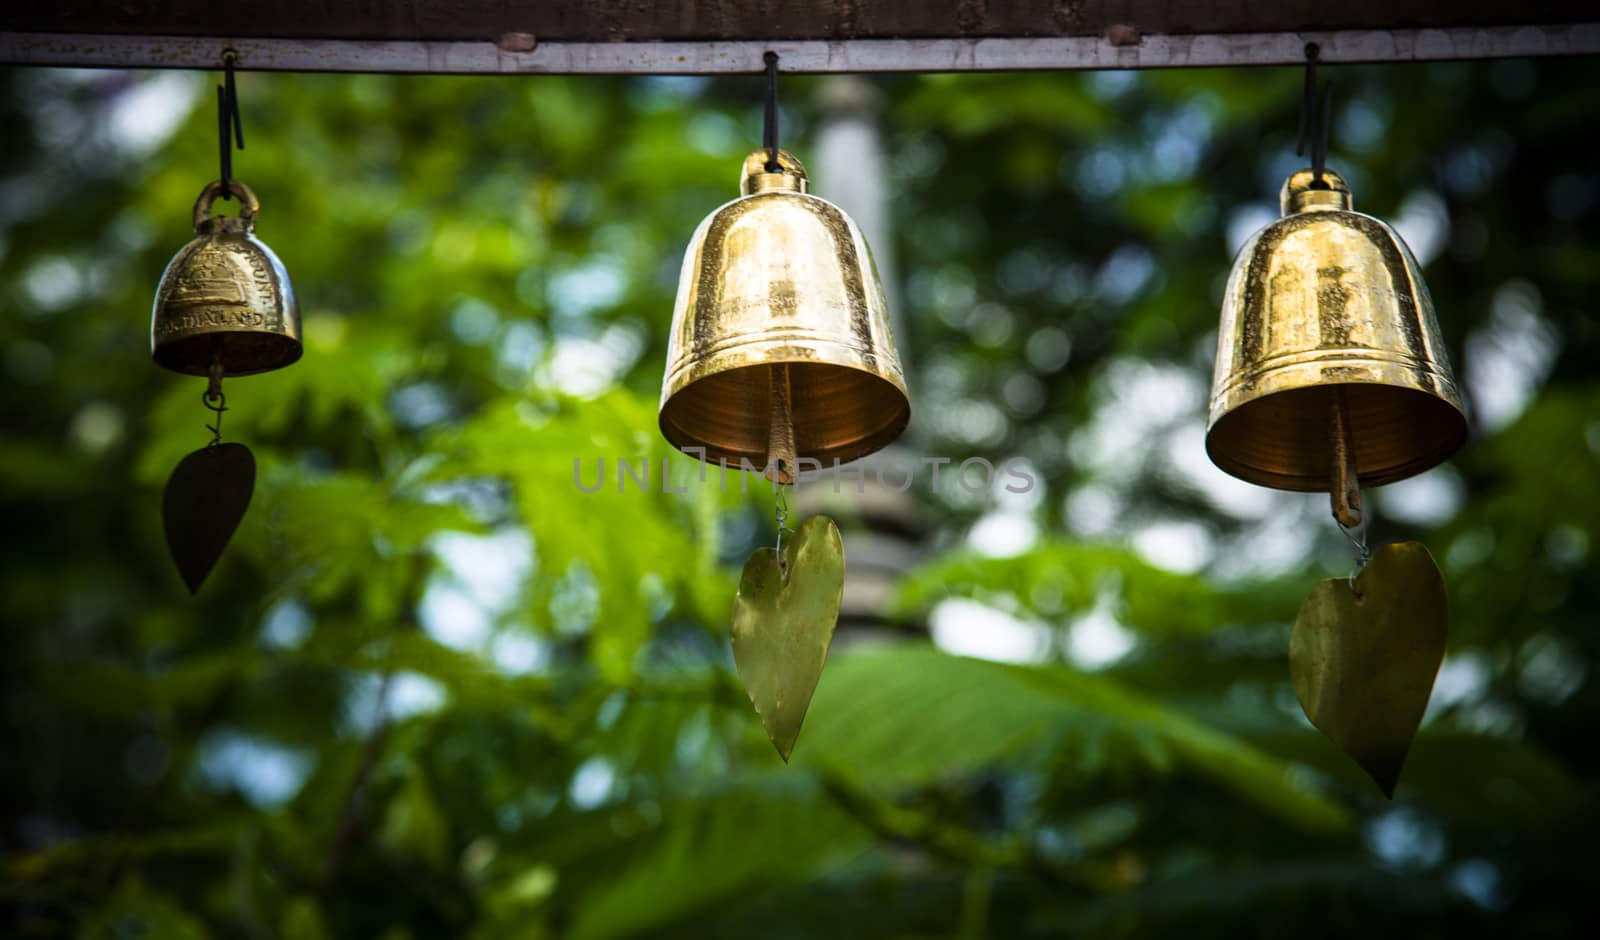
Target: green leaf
<point>210,840</point>
<point>136,911</point>
<point>1513,784</point>
<point>910,714</point>
<point>647,863</point>
<point>598,552</point>
<point>303,920</point>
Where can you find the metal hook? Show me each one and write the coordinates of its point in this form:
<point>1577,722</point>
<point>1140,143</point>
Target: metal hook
<point>230,126</point>
<point>1314,119</point>
<point>221,405</point>
<point>1308,97</point>
<point>769,134</point>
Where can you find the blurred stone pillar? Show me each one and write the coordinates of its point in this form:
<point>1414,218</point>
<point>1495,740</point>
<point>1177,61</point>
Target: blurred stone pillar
<point>883,528</point>
<point>851,173</point>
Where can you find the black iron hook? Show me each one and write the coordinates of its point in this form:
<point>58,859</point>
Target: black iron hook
<point>769,136</point>
<point>230,127</point>
<point>1314,119</point>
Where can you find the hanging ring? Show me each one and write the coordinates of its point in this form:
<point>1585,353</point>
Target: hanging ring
<point>217,403</point>
<point>249,205</point>
<point>214,402</point>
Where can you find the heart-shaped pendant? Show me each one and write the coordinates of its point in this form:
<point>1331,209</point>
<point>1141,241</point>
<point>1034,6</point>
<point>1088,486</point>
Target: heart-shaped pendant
<point>1363,657</point>
<point>783,620</point>
<point>204,501</point>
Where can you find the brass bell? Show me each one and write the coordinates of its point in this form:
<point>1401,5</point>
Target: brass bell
<point>1329,353</point>
<point>225,297</point>
<point>780,312</point>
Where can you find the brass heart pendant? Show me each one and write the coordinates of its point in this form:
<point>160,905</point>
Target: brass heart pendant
<point>783,620</point>
<point>205,499</point>
<point>1363,659</point>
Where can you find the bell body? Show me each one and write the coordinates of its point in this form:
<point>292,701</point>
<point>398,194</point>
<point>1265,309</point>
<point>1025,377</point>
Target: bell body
<point>1326,310</point>
<point>225,297</point>
<point>778,286</point>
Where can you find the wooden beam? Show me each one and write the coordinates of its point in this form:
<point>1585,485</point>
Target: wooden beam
<point>715,36</point>
<point>857,55</point>
<point>762,20</point>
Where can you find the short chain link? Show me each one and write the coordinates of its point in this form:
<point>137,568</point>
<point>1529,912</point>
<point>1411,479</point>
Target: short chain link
<point>213,399</point>
<point>781,511</point>
<point>1357,536</point>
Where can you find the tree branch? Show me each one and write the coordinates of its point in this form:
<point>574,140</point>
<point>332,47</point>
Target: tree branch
<point>355,796</point>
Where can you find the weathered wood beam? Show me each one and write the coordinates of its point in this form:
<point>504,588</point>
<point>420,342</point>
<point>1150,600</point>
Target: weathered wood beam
<point>711,36</point>
<point>523,55</point>
<point>761,20</point>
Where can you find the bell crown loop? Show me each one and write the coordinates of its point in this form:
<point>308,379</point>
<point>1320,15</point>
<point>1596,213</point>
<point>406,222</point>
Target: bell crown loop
<point>1303,191</point>
<point>755,178</point>
<point>249,207</point>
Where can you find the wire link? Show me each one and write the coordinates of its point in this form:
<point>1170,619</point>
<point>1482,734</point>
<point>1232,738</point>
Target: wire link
<point>1357,536</point>
<point>781,513</point>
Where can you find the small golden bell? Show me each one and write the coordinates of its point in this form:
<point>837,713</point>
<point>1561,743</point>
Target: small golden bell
<point>780,311</point>
<point>1328,340</point>
<point>225,297</point>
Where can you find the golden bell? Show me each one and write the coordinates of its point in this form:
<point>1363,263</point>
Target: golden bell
<point>779,311</point>
<point>1328,341</point>
<point>225,297</point>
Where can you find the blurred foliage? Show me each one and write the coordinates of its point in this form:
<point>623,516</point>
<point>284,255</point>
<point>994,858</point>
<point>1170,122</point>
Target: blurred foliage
<point>436,689</point>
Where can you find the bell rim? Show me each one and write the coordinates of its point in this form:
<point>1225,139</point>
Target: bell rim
<point>1441,450</point>
<point>293,349</point>
<point>874,440</point>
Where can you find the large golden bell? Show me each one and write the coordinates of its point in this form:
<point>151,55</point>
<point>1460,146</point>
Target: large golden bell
<point>225,297</point>
<point>1327,322</point>
<point>779,291</point>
